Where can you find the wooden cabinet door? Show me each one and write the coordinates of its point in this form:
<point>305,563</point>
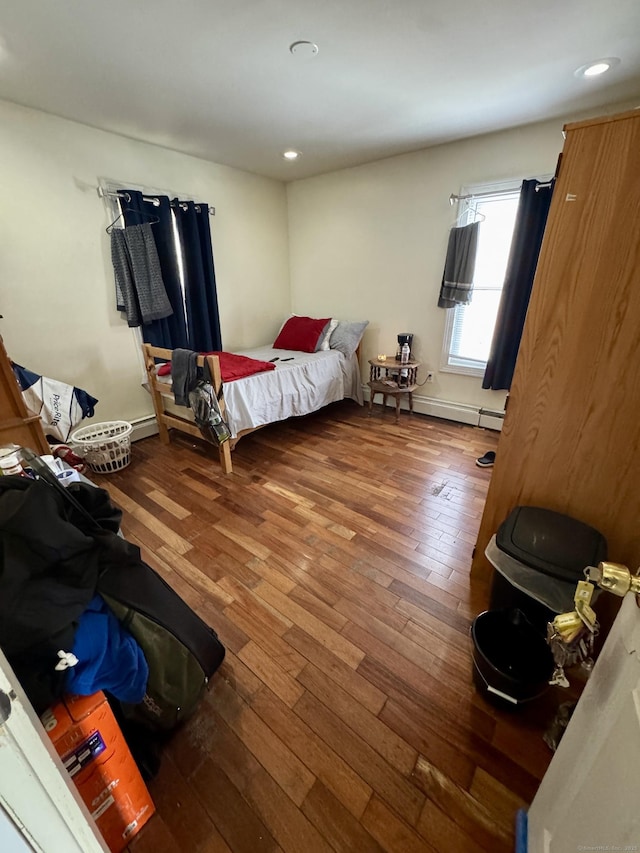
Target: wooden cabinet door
<point>571,436</point>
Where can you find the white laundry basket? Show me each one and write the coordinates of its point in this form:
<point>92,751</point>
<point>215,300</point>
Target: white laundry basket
<point>104,447</point>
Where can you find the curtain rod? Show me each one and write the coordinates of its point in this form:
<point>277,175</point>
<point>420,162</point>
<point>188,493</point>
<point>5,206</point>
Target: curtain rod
<point>453,198</point>
<point>155,201</point>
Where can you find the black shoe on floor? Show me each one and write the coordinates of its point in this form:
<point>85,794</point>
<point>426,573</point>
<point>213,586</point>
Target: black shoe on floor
<point>487,460</point>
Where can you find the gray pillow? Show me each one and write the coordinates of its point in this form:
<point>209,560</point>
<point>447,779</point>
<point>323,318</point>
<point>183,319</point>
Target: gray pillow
<point>346,336</point>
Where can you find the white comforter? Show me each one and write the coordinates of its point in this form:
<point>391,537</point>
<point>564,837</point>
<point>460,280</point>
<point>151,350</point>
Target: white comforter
<point>297,387</point>
<point>303,383</point>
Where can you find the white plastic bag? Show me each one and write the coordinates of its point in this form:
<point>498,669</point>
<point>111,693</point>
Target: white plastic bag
<point>61,407</point>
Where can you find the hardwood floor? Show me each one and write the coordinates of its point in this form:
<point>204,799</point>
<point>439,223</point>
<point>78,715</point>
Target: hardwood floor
<point>334,564</point>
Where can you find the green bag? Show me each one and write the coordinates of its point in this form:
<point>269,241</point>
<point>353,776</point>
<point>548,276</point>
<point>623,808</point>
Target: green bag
<point>176,679</point>
<point>181,650</point>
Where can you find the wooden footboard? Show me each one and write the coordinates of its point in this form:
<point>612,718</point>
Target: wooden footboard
<point>159,392</point>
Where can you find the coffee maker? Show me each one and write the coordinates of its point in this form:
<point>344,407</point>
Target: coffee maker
<point>404,338</point>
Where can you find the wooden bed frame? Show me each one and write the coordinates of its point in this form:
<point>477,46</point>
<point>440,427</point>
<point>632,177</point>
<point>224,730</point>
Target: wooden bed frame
<point>159,390</point>
<point>166,421</point>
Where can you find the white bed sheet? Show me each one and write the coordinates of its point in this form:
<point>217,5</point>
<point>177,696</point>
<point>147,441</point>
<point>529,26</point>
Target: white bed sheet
<point>297,387</point>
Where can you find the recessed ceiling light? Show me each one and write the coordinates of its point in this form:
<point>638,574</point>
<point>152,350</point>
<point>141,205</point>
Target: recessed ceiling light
<point>303,48</point>
<point>600,66</point>
<point>291,154</point>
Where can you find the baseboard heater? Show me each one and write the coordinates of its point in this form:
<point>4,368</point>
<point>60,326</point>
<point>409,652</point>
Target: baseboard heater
<point>144,427</point>
<point>490,419</point>
<point>460,412</point>
<point>451,411</point>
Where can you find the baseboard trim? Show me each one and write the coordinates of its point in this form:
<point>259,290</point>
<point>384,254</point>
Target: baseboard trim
<point>451,411</point>
<point>144,427</point>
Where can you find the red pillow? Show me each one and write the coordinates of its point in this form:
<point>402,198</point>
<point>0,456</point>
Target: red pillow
<point>301,333</point>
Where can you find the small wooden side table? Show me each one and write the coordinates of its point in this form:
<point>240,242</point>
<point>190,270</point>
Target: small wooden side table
<point>391,378</point>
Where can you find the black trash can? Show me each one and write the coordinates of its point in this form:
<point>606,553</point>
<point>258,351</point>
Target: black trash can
<point>539,556</point>
<point>512,663</point>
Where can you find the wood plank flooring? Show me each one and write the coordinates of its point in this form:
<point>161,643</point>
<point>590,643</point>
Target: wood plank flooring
<point>334,564</point>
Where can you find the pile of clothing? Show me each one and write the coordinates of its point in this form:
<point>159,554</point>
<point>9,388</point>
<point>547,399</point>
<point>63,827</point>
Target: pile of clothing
<point>55,629</point>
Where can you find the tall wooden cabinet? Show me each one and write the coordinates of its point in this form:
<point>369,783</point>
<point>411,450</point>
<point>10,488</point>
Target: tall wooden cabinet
<point>17,425</point>
<point>571,435</point>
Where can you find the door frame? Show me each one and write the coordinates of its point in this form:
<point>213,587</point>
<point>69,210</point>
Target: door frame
<point>36,792</point>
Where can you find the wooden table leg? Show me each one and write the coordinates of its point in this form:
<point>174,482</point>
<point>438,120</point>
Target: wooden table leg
<point>384,403</point>
<point>411,402</point>
<point>372,394</point>
<point>397,408</point>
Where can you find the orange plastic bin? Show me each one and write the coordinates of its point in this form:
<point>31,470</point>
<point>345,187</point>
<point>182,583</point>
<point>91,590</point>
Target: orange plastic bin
<point>88,739</point>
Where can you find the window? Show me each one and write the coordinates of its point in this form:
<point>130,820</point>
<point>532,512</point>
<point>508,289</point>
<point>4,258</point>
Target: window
<point>469,328</point>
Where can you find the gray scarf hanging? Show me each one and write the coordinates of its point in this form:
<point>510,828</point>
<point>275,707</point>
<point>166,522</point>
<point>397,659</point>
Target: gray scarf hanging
<point>140,290</point>
<point>459,266</point>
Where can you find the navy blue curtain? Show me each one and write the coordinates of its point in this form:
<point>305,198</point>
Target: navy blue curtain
<point>201,299</point>
<point>533,209</point>
<point>170,332</point>
<point>195,322</point>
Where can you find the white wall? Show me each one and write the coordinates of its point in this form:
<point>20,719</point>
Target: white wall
<point>56,280</point>
<point>362,243</point>
<point>369,242</point>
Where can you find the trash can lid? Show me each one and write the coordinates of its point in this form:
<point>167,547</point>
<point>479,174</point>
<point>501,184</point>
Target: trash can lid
<point>555,594</point>
<point>553,543</point>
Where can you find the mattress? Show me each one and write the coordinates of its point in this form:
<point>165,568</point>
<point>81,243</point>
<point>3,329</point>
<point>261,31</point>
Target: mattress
<point>301,383</point>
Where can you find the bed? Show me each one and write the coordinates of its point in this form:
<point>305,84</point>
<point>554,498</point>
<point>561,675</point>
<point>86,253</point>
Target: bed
<point>301,383</point>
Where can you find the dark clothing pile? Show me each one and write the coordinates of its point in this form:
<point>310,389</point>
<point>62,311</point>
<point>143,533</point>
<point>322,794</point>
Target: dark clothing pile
<point>52,561</point>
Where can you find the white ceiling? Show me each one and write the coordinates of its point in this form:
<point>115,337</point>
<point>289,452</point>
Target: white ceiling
<point>217,79</point>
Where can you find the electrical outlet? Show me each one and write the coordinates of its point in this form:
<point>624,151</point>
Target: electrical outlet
<point>430,376</point>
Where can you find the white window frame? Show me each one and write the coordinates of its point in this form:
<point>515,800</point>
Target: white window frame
<point>466,208</point>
